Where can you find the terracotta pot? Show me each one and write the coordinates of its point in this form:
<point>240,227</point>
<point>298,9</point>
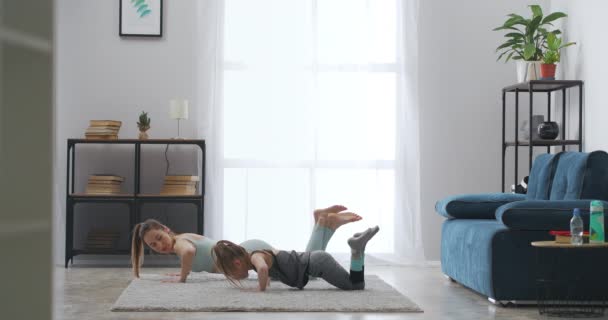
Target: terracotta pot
<point>547,71</point>
<point>143,135</point>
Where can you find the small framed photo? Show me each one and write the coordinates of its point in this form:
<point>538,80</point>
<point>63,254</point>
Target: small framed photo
<point>141,18</point>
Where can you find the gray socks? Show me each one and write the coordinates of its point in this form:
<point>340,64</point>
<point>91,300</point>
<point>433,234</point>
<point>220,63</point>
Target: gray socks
<point>357,247</point>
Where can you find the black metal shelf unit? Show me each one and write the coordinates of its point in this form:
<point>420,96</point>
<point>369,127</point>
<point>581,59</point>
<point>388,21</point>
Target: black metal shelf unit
<point>134,201</point>
<point>531,87</point>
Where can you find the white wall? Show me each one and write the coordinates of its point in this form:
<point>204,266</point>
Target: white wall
<point>103,76</point>
<point>586,61</point>
<point>460,102</point>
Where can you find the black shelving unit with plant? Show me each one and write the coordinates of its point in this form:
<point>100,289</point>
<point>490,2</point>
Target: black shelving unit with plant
<point>540,87</point>
<point>134,201</point>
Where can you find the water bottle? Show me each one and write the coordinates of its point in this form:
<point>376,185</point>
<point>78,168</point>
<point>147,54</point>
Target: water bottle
<point>576,228</point>
<point>596,222</point>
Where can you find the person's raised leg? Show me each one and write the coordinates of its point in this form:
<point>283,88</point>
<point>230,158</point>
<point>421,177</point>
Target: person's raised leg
<point>357,245</point>
<point>321,213</point>
<point>327,220</point>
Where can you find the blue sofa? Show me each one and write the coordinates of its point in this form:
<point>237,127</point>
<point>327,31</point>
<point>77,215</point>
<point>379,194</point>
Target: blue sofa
<point>485,241</point>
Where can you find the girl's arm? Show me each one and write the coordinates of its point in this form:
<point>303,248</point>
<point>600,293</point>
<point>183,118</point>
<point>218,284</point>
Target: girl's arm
<point>185,250</point>
<point>257,259</point>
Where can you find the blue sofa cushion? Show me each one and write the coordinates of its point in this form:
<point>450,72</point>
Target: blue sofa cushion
<point>541,175</point>
<point>580,175</point>
<point>595,181</point>
<point>567,183</point>
<point>543,214</point>
<point>474,206</point>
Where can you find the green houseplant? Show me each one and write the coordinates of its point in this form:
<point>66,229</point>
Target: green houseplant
<point>525,40</point>
<point>143,124</point>
<point>552,55</point>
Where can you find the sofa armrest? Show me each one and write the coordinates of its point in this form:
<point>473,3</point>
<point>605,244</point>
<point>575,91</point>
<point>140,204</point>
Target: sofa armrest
<point>543,214</point>
<point>475,206</point>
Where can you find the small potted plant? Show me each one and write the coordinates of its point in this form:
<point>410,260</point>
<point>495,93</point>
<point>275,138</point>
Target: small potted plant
<point>143,125</point>
<point>552,56</point>
<point>525,41</point>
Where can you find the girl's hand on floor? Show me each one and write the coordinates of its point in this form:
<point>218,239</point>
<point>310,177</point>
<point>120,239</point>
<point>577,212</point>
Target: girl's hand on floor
<point>173,274</point>
<point>171,280</point>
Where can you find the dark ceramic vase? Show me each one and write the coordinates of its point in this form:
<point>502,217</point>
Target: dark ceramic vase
<point>548,130</point>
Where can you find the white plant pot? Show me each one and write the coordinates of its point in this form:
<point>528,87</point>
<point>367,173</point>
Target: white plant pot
<point>528,70</point>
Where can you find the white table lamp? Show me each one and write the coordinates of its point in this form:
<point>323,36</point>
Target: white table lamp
<point>178,110</point>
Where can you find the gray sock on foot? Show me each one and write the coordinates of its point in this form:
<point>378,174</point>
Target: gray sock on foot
<point>358,241</point>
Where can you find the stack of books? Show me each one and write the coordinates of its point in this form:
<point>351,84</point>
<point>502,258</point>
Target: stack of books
<point>179,185</point>
<point>100,240</point>
<point>565,236</point>
<point>104,184</point>
<point>103,129</point>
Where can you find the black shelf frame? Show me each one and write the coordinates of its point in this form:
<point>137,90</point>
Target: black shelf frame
<point>134,201</point>
<point>542,86</point>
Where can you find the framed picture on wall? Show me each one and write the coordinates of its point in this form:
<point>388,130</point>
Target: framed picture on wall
<point>141,18</point>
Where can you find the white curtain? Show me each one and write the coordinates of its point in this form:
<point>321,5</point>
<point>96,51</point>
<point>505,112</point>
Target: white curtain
<point>311,103</point>
<point>209,77</point>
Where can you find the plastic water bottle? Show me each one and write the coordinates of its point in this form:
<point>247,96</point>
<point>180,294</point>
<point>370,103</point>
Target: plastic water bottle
<point>576,228</point>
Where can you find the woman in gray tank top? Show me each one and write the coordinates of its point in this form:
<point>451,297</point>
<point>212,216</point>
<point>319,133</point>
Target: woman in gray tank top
<point>194,251</point>
<point>294,268</point>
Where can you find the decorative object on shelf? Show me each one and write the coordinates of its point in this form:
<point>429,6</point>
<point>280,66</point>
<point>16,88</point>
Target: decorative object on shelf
<point>178,110</point>
<point>103,129</point>
<point>522,187</point>
<point>142,18</point>
<point>552,55</point>
<point>179,185</point>
<point>102,240</point>
<point>527,70</point>
<point>524,129</point>
<point>104,184</point>
<point>143,125</point>
<point>548,130</point>
<point>525,41</point>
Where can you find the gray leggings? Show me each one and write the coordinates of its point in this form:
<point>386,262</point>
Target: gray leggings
<point>324,266</point>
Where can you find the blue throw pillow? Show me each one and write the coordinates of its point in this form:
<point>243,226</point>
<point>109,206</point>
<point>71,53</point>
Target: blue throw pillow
<point>475,206</point>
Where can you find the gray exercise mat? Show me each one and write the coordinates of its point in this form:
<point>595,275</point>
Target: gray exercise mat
<point>212,292</point>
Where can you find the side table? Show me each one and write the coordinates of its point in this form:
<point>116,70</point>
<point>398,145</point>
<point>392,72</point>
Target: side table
<point>568,283</point>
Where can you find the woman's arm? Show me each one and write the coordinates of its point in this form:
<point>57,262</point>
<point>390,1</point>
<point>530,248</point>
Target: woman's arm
<point>186,251</point>
<point>258,260</point>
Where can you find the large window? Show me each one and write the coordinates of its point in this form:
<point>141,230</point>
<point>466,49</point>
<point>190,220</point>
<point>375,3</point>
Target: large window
<point>310,95</point>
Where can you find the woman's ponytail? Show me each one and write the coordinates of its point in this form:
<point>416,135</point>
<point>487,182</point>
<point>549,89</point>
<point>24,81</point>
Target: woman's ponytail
<point>137,248</point>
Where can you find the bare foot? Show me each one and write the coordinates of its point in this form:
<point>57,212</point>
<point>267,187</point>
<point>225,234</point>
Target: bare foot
<point>324,212</point>
<point>335,220</point>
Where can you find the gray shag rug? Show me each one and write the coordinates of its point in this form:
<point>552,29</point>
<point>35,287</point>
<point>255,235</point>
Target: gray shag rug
<point>212,292</point>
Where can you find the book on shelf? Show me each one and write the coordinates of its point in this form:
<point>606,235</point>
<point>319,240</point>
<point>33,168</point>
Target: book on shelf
<point>107,123</point>
<point>105,177</point>
<point>103,130</point>
<point>94,137</point>
<point>104,184</point>
<point>181,178</point>
<point>180,189</point>
<point>180,183</point>
<point>565,236</point>
<point>101,239</point>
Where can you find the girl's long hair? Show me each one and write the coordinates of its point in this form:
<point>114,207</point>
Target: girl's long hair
<point>224,253</point>
<point>137,242</point>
